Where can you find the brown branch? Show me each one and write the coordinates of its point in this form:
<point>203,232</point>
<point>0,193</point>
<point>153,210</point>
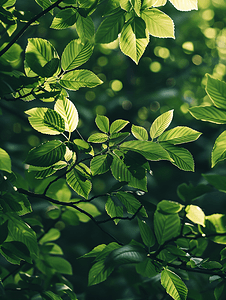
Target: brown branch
<point>21,32</point>
<point>70,204</point>
<point>121,218</point>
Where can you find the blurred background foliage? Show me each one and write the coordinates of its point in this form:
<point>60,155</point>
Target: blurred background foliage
<point>170,75</point>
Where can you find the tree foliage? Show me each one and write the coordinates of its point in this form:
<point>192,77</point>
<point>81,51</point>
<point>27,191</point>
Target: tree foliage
<point>60,173</point>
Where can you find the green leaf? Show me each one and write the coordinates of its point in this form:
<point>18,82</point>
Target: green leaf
<point>118,125</point>
<point>98,273</point>
<point>78,181</point>
<point>185,5</point>
<point>100,164</point>
<point>18,249</point>
<point>166,226</point>
<point>76,53</point>
<point>52,235</point>
<point>129,173</point>
<point>43,172</point>
<point>50,295</point>
<point>219,290</point>
<point>169,207</point>
<point>110,28</point>
<point>68,112</point>
<point>146,268</point>
<point>102,123</point>
<point>21,232</point>
<point>74,80</point>
<point>64,19</point>
<point>216,223</point>
<point>174,285</point>
<point>60,264</point>
<point>113,210</point>
<point>98,138</point>
<point>46,120</point>
<point>146,233</point>
<point>12,54</point>
<point>139,132</point>
<point>150,150</point>
<point>3,232</point>
<point>127,254</point>
<point>42,58</point>
<point>219,149</point>
<point>89,208</point>
<point>179,135</point>
<point>158,23</point>
<point>85,27</point>
<point>134,39</point>
<point>181,157</point>
<point>218,181</point>
<point>209,113</point>
<point>131,203</point>
<point>5,161</point>
<point>195,214</point>
<point>216,89</point>
<point>160,124</point>
<point>117,138</point>
<point>46,154</point>
<point>189,192</point>
<point>96,250</point>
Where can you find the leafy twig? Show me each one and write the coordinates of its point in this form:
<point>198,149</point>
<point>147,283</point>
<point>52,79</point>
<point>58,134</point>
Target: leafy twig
<point>21,32</point>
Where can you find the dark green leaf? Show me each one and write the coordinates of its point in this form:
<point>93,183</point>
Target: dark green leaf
<point>3,232</point>
<point>190,192</point>
<point>46,154</point>
<point>110,28</point>
<point>98,273</point>
<point>146,233</point>
<point>113,210</point>
<point>166,226</point>
<point>100,164</point>
<point>131,203</point>
<point>60,264</point>
<point>150,150</point>
<point>218,181</point>
<point>146,268</point>
<point>65,19</point>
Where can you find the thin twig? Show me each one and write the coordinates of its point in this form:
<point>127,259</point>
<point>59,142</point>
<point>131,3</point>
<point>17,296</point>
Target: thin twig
<point>21,32</point>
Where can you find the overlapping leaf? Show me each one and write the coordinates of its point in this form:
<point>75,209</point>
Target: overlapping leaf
<point>68,112</point>
<point>181,157</point>
<point>74,80</point>
<point>160,124</point>
<point>150,150</point>
<point>179,135</point>
<point>173,284</point>
<point>131,203</point>
<point>113,210</point>
<point>209,114</point>
<point>158,23</point>
<point>219,149</point>
<point>185,5</point>
<point>110,28</point>
<point>216,90</point>
<point>46,154</point>
<point>85,27</point>
<point>75,54</point>
<point>134,39</point>
<point>64,19</point>
<point>46,120</point>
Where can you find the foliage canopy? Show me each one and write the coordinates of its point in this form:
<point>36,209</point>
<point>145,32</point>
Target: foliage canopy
<point>67,181</point>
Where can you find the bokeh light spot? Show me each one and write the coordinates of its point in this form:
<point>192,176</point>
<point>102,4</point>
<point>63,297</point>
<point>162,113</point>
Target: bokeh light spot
<point>116,85</point>
<point>143,113</point>
<point>155,67</point>
<point>102,61</point>
<point>100,110</point>
<point>90,96</point>
<point>33,140</point>
<point>197,60</point>
<point>188,47</point>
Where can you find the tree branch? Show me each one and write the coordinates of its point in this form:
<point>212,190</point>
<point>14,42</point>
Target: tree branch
<point>71,204</point>
<point>21,32</point>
